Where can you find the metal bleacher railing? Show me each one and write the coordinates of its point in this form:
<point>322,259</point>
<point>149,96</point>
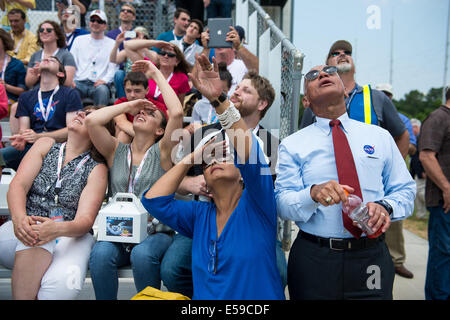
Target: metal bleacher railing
<point>281,63</point>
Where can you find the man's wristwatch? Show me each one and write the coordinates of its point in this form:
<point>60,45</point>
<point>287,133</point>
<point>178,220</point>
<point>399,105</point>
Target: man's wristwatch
<point>219,100</point>
<point>386,206</point>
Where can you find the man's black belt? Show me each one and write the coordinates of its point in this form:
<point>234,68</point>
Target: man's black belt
<point>342,244</point>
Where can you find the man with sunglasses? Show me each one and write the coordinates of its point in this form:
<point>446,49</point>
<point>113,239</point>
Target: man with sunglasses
<point>43,112</point>
<point>331,257</point>
<point>127,16</point>
<point>95,72</point>
<point>363,103</point>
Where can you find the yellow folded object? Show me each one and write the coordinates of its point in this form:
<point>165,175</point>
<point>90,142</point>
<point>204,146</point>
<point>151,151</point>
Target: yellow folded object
<point>150,293</point>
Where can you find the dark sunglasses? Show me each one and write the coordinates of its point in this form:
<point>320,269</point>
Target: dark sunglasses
<point>313,74</point>
<point>337,53</point>
<point>97,20</point>
<point>127,10</point>
<point>48,30</point>
<point>169,54</point>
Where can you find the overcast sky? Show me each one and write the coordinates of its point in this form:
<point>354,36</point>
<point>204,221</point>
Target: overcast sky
<point>420,28</point>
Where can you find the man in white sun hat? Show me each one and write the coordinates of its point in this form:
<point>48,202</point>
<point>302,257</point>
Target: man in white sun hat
<point>94,72</point>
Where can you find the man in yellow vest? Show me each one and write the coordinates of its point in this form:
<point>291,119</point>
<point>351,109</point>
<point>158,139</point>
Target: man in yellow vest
<point>363,103</point>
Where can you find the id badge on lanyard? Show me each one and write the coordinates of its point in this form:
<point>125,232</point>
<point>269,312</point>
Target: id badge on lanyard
<point>45,111</point>
<point>132,181</point>
<point>56,212</point>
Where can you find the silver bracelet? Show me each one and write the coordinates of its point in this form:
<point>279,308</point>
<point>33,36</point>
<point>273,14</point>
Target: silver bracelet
<point>230,116</point>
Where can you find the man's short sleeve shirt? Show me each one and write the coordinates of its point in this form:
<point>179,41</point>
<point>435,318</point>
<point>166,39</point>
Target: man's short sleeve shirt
<point>435,136</point>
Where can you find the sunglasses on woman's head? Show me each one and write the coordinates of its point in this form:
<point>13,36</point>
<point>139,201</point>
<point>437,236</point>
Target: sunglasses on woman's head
<point>48,30</point>
<point>169,54</point>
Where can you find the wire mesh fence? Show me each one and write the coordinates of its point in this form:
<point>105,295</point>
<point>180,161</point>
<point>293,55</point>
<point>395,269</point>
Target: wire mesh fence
<point>291,74</point>
<point>155,15</point>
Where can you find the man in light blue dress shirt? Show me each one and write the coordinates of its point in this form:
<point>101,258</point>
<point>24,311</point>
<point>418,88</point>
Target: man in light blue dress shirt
<point>326,261</point>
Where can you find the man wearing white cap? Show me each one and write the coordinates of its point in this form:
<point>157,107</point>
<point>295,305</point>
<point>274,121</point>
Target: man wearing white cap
<point>91,52</point>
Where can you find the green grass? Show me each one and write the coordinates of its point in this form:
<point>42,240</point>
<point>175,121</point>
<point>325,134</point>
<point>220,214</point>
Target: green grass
<point>417,226</point>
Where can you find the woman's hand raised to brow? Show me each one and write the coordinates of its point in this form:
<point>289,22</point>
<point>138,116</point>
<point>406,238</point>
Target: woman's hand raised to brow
<point>135,106</point>
<point>205,77</point>
<point>146,67</point>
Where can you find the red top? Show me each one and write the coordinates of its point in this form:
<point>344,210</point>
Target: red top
<point>179,83</point>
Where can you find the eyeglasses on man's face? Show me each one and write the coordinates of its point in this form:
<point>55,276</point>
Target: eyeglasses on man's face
<point>97,20</point>
<point>313,74</point>
<point>338,53</point>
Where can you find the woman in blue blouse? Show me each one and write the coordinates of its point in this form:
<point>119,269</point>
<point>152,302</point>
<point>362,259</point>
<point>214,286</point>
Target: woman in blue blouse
<point>12,70</point>
<point>233,250</point>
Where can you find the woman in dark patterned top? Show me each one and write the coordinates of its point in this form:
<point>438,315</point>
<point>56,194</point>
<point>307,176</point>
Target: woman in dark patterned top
<point>53,200</point>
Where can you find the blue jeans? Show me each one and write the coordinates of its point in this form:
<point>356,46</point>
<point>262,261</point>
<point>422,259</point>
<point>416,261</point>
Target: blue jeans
<point>219,8</point>
<point>176,267</point>
<point>99,94</point>
<point>12,156</point>
<point>118,83</point>
<point>145,259</point>
<point>281,264</point>
<point>437,282</point>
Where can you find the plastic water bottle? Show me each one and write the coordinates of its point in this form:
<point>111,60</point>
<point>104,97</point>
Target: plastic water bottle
<point>359,213</point>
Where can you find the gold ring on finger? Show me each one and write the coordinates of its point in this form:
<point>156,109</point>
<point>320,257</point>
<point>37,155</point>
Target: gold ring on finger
<point>328,200</point>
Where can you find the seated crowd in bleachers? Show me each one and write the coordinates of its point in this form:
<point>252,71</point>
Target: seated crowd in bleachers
<point>48,79</point>
<point>95,113</point>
